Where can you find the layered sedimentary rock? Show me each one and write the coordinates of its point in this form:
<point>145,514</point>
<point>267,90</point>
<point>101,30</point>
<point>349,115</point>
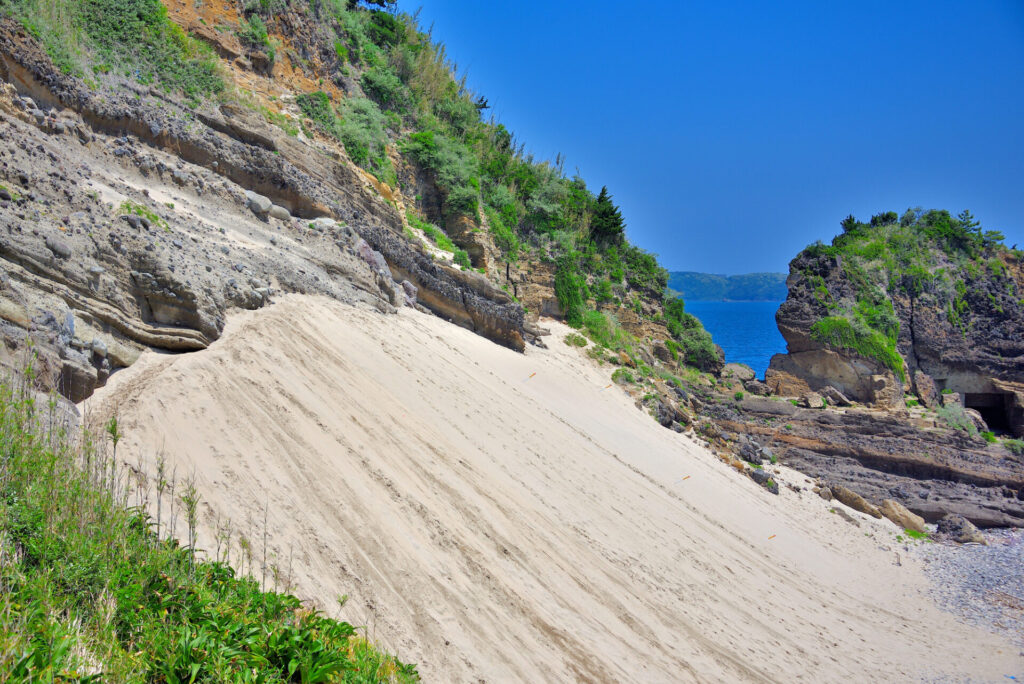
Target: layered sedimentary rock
<point>969,341</point>
<point>132,220</point>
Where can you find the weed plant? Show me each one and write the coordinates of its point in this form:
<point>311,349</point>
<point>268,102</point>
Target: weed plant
<point>93,590</point>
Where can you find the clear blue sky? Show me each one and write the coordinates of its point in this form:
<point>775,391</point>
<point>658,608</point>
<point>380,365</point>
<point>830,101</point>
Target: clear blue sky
<point>732,134</point>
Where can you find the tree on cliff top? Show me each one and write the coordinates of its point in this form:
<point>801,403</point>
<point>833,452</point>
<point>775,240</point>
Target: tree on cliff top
<point>606,224</point>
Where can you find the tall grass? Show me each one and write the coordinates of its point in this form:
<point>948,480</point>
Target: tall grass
<point>132,37</point>
<point>91,592</point>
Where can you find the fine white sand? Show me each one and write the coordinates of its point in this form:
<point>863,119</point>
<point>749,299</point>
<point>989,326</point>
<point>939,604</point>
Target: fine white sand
<point>496,516</point>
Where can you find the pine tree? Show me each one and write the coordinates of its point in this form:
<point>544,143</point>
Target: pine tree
<point>606,225</point>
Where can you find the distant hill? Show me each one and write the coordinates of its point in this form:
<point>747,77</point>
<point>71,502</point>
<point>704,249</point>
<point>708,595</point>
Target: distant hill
<point>754,287</point>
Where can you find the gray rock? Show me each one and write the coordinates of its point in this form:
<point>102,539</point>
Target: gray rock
<point>764,478</point>
<point>976,418</point>
<point>834,396</point>
<point>757,387</point>
<point>739,371</point>
<point>959,529</point>
<point>751,454</point>
<point>99,348</point>
<point>855,501</point>
<point>812,400</point>
<point>280,213</point>
<point>59,248</point>
<point>410,292</point>
<point>259,204</point>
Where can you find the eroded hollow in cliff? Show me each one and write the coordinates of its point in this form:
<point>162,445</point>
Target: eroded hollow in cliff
<point>994,408</point>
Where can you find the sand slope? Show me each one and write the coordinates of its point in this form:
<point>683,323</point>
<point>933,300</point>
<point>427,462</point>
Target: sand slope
<point>490,525</point>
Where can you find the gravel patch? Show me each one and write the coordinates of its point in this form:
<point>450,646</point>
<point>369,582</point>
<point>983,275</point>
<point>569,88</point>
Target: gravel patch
<point>982,585</point>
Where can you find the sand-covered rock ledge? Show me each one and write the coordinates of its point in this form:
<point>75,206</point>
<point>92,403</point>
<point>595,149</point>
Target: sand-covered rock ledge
<point>497,516</point>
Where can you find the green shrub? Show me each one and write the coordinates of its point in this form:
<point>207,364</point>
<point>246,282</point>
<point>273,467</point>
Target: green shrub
<point>694,342</point>
<point>604,329</point>
<point>362,129</point>
<point>622,376</point>
<point>576,340</point>
<point>317,107</point>
<point>738,396</point>
<point>569,290</point>
<point>840,333</point>
<point>504,237</point>
<point>253,33</point>
<point>955,416</point>
<point>94,586</point>
<point>135,36</point>
<point>1016,446</point>
<point>989,437</point>
<point>462,258</point>
<point>384,86</point>
<point>454,164</point>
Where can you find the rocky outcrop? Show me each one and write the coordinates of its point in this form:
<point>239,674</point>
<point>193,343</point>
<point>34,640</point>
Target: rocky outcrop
<point>901,517</point>
<point>879,455</point>
<point>90,234</point>
<point>91,283</point>
<point>963,332</point>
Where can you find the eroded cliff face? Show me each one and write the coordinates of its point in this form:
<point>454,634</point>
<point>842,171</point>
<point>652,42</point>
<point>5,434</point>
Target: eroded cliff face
<point>132,219</point>
<point>961,333</point>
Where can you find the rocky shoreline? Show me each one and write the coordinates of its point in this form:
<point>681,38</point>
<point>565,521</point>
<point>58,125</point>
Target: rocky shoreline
<point>982,584</point>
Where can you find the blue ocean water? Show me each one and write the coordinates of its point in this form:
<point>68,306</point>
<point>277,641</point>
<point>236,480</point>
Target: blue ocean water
<point>746,331</point>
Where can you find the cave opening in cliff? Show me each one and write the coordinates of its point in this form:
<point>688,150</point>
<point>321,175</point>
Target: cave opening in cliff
<point>994,408</point>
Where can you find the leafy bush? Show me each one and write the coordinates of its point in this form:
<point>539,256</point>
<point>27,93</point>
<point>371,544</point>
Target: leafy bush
<point>605,330</point>
<point>694,342</point>
<point>955,416</point>
<point>576,340</point>
<point>622,376</point>
<point>384,86</point>
<point>989,437</point>
<point>94,589</point>
<point>738,396</point>
<point>363,131</point>
<point>841,333</point>
<point>133,35</point>
<point>569,290</point>
<point>1014,445</point>
<point>253,33</point>
<point>454,165</point>
<point>317,107</point>
<point>504,237</point>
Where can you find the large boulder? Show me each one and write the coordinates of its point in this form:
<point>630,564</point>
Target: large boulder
<point>924,388</point>
<point>854,500</point>
<point>257,203</point>
<point>812,400</point>
<point>738,371</point>
<point>834,396</point>
<point>903,518</point>
<point>280,213</point>
<point>960,530</point>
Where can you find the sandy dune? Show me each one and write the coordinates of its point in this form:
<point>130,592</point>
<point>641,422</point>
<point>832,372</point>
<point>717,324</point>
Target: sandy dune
<point>491,524</point>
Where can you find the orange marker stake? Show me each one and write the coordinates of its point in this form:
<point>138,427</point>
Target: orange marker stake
<point>686,478</point>
<point>771,537</point>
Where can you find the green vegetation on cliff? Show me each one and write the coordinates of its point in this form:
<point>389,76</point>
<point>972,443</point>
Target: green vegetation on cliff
<point>920,255</point>
<point>91,592</point>
<point>133,38</point>
<point>749,287</point>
